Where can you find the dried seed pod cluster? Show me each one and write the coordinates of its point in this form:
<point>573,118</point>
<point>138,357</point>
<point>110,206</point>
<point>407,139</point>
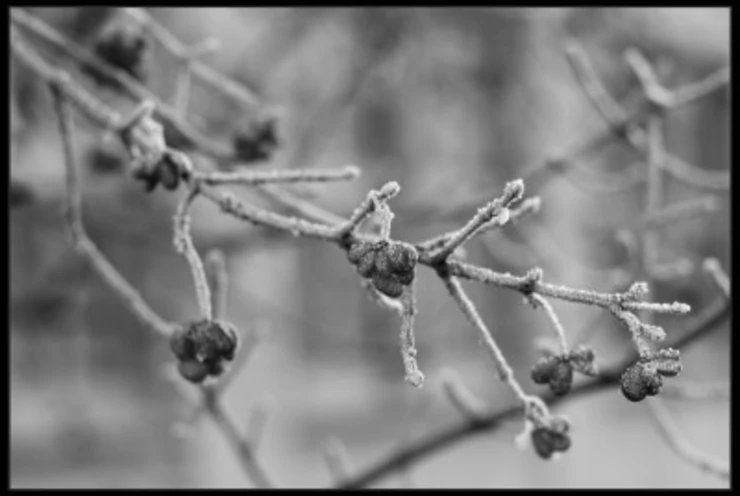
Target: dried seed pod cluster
<point>551,437</point>
<point>202,348</point>
<point>20,194</point>
<point>123,44</point>
<point>168,172</point>
<point>645,378</point>
<point>107,157</point>
<point>557,370</point>
<point>390,264</point>
<point>256,139</point>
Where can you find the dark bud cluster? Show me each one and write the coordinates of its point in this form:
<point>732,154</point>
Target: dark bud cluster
<point>20,194</point>
<point>123,44</point>
<point>551,438</point>
<point>557,370</point>
<point>390,264</point>
<point>107,157</point>
<point>645,378</point>
<point>256,139</point>
<point>168,172</point>
<point>202,348</point>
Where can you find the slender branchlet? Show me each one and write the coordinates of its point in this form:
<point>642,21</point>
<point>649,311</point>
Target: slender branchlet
<point>713,268</point>
<point>129,86</point>
<point>525,285</point>
<point>693,92</point>
<point>260,217</point>
<point>237,442</point>
<point>374,199</point>
<point>496,211</point>
<point>655,93</point>
<point>696,176</point>
<point>218,278</point>
<point>258,419</point>
<point>336,458</point>
<point>200,71</point>
<point>184,245</point>
<point>682,446</point>
<point>697,390</point>
<point>528,206</point>
<point>299,205</point>
<point>461,397</point>
<point>681,211</point>
<point>539,301</point>
<point>408,345</point>
<point>619,120</point>
<point>592,86</point>
<point>505,372</point>
<point>268,176</point>
<point>694,329</point>
<point>83,243</point>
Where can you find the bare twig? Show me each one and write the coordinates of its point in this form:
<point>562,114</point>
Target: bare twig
<point>696,328</point>
<point>258,177</point>
<point>82,242</point>
<point>239,444</point>
<point>337,459</point>
<point>683,448</point>
<point>681,211</point>
<point>184,245</point>
<point>461,397</point>
<point>556,325</point>
<point>505,372</point>
<point>215,267</point>
<point>712,267</point>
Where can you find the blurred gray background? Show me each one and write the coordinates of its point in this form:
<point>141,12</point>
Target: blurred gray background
<point>451,103</point>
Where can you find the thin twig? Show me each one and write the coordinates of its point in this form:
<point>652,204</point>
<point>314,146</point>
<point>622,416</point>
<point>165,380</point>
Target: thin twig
<point>556,325</point>
<point>505,371</point>
<point>184,245</point>
<point>268,176</point>
<point>461,397</point>
<point>82,242</point>
<point>336,458</point>
<point>665,216</point>
<point>239,444</point>
<point>683,448</point>
<point>696,328</point>
<point>202,72</point>
<point>712,267</point>
<point>215,267</point>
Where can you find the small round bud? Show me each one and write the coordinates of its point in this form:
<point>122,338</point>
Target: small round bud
<point>639,381</point>
<point>181,345</point>
<point>402,257</point>
<point>193,371</point>
<point>20,194</point>
<point>168,174</point>
<point>213,340</point>
<point>551,438</point>
<point>389,285</point>
<point>122,44</point>
<point>357,251</point>
<point>107,157</point>
<point>382,263</point>
<point>631,384</point>
<point>405,278</point>
<point>214,367</point>
<point>542,443</point>
<point>256,139</point>
<point>562,378</point>
<point>366,265</point>
<point>544,370</point>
